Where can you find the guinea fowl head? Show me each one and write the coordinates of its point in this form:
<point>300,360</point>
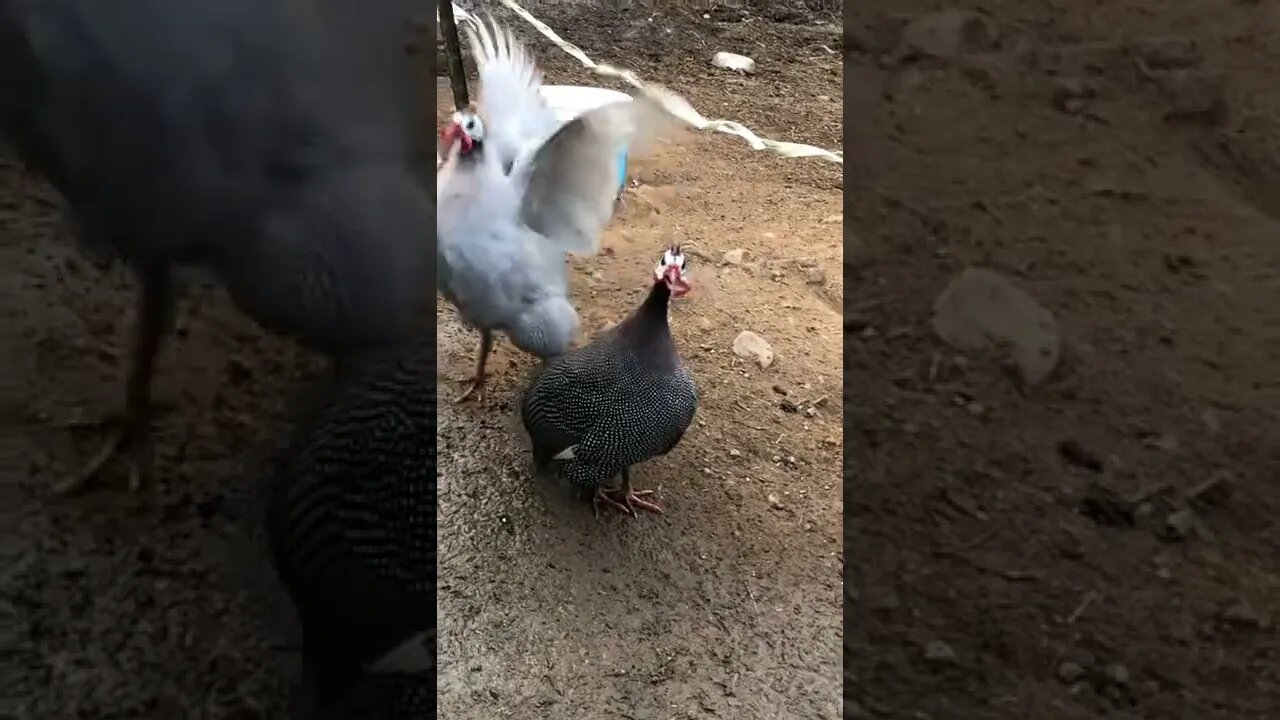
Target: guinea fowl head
<point>466,130</point>
<point>671,271</point>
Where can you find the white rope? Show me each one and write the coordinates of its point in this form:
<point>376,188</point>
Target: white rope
<point>673,103</point>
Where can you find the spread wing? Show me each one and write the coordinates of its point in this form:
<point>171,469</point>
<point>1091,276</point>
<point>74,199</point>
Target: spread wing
<point>572,178</point>
<point>516,117</point>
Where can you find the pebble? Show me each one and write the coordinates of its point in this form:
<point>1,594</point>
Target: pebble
<point>749,345</point>
<point>939,651</point>
<point>734,61</point>
<point>1118,674</point>
<point>1241,612</point>
<point>946,34</point>
<point>733,453</point>
<point>736,256</point>
<point>1069,671</point>
<point>775,502</point>
<point>1195,98</point>
<point>1178,525</point>
<point>981,310</point>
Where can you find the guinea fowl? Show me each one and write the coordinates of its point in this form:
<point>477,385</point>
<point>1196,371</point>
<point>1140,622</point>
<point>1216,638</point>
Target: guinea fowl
<point>622,399</point>
<point>351,524</point>
<point>188,134</point>
<point>512,201</point>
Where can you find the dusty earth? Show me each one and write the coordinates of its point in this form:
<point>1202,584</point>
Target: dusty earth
<point>727,605</point>
<point>153,608</point>
<point>1103,544</point>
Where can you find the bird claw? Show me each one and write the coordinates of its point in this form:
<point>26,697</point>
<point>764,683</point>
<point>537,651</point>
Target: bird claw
<point>476,390</point>
<point>631,499</point>
<point>128,436</point>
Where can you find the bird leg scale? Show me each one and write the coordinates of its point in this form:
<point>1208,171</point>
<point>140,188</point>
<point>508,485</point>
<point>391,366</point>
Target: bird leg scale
<point>631,499</point>
<point>482,356</point>
<point>129,431</point>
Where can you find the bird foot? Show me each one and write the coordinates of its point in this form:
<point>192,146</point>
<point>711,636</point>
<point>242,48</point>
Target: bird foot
<point>630,500</point>
<point>476,390</point>
<point>128,435</point>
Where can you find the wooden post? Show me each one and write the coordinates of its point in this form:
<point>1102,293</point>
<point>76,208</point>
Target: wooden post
<point>453,54</point>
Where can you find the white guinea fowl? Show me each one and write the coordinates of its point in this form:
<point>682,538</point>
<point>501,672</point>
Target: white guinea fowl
<point>516,192</point>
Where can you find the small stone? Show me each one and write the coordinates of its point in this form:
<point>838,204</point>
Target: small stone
<point>1241,612</point>
<point>947,34</point>
<point>775,502</point>
<point>733,453</point>
<point>749,345</point>
<point>982,311</point>
<point>833,219</point>
<point>1118,674</point>
<point>736,256</point>
<point>734,61</point>
<point>1069,672</point>
<point>815,276</point>
<point>1169,53</point>
<point>1070,95</point>
<point>1178,525</point>
<point>811,412</point>
<point>1195,98</point>
<point>940,652</point>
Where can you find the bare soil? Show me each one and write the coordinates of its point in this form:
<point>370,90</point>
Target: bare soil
<point>728,604</point>
<point>161,607</point>
<point>1104,544</point>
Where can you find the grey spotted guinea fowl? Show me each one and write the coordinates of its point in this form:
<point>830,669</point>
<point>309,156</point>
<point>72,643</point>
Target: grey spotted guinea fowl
<point>351,525</point>
<point>593,413</point>
<point>279,146</point>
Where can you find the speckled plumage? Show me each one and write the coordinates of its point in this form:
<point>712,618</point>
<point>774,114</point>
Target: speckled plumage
<point>352,521</point>
<point>622,399</point>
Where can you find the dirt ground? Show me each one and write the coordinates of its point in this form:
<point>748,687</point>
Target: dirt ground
<point>124,608</point>
<point>726,606</point>
<point>1105,544</point>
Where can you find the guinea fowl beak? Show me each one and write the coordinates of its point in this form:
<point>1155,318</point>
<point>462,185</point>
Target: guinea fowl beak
<point>453,133</point>
<point>676,282</point>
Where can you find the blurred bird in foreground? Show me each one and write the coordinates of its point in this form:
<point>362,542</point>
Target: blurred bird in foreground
<point>351,522</point>
<point>278,145</point>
